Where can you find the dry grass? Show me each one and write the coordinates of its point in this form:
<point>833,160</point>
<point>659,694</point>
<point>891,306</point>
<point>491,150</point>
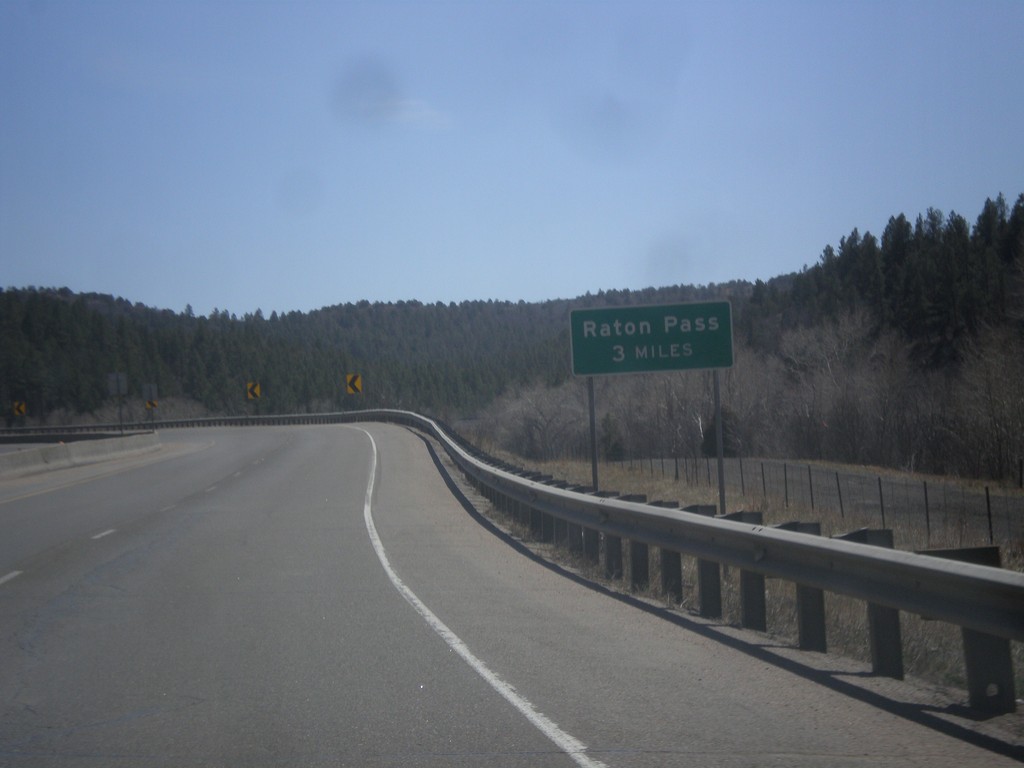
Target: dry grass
<point>932,650</point>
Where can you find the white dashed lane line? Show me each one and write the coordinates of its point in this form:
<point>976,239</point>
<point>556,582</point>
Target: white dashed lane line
<point>105,533</point>
<point>9,576</point>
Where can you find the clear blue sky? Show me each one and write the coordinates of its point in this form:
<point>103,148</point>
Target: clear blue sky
<point>293,155</point>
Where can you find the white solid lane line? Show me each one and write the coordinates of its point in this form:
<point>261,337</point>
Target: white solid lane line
<point>105,533</point>
<point>572,746</point>
<point>9,576</point>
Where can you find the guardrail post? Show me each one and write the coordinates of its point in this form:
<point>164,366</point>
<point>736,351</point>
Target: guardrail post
<point>574,532</point>
<point>639,566</point>
<point>753,606</point>
<point>547,527</point>
<point>672,575</point>
<point>612,557</point>
<point>525,514</point>
<point>671,563</point>
<point>639,555</point>
<point>591,545</point>
<point>612,545</point>
<point>541,524</point>
<point>709,573</point>
<point>520,512</point>
<point>574,537</point>
<point>810,601</point>
<point>990,685</point>
<point>559,533</point>
<point>885,636</point>
<point>536,523</point>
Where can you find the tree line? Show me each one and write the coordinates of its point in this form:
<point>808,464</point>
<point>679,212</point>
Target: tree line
<point>902,350</point>
<point>57,349</point>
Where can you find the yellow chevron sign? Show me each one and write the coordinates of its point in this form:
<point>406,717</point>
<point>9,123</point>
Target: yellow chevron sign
<point>252,390</point>
<point>353,383</point>
<point>19,408</point>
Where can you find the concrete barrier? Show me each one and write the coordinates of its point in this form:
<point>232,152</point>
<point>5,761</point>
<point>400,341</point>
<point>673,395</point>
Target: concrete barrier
<point>62,455</point>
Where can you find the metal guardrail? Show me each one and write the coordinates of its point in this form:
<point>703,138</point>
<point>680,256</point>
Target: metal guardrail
<point>987,602</point>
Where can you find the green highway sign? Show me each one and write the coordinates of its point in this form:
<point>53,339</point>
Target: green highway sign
<point>645,339</point>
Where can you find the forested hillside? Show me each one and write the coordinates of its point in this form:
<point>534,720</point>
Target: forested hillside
<point>58,347</point>
<point>906,352</point>
<point>903,350</point>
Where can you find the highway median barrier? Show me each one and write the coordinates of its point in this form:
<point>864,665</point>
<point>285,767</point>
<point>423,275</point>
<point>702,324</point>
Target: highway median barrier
<point>62,455</point>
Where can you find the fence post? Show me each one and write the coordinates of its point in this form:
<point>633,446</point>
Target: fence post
<point>988,510</point>
<point>810,485</point>
<point>881,500</point>
<point>927,516</point>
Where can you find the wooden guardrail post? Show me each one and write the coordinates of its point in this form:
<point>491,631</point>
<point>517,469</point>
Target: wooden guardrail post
<point>810,601</point>
<point>709,573</point>
<point>574,532</point>
<point>671,563</point>
<point>672,575</point>
<point>560,532</point>
<point>753,606</point>
<point>591,545</point>
<point>987,658</point>
<point>612,557</point>
<point>574,537</point>
<point>639,554</point>
<point>547,527</point>
<point>541,524</point>
<point>885,636</point>
<point>612,546</point>
<point>639,566</point>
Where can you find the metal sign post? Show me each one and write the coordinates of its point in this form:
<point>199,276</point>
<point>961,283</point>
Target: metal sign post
<point>719,445</point>
<point>593,432</point>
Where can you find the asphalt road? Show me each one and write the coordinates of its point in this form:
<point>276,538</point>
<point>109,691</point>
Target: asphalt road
<point>240,599</point>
